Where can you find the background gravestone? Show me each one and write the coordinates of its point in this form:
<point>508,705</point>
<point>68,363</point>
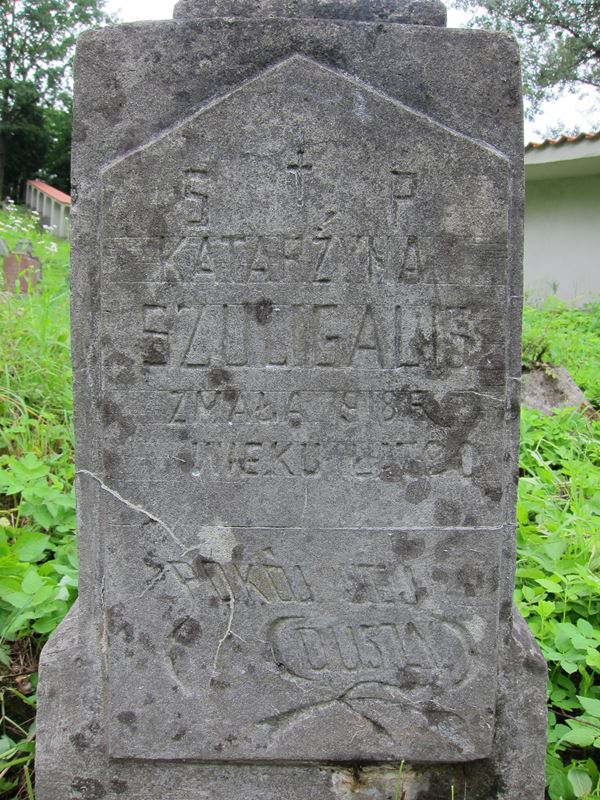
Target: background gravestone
<point>21,270</point>
<point>296,364</point>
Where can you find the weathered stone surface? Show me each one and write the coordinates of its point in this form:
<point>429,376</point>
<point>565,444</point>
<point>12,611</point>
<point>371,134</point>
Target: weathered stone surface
<point>23,247</point>
<point>295,290</point>
<point>409,12</point>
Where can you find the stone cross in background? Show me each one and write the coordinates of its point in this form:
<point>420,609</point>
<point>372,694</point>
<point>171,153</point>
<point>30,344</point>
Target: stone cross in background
<point>296,298</point>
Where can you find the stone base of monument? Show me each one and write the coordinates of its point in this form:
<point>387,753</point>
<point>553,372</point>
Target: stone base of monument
<point>73,763</point>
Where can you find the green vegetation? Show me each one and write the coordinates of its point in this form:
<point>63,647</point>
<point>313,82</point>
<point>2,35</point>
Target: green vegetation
<point>559,41</point>
<point>567,337</point>
<point>558,570</point>
<point>37,41</point>
<point>38,569</point>
<point>558,567</point>
<point>558,585</point>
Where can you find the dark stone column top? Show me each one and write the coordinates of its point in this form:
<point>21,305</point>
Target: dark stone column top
<point>407,12</point>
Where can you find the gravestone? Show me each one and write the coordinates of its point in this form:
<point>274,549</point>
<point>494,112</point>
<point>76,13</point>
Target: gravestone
<point>23,247</point>
<point>296,310</point>
<point>21,270</point>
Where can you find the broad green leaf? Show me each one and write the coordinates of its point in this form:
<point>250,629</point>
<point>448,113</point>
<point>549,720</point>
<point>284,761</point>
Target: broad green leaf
<point>568,666</point>
<point>581,736</point>
<point>30,546</point>
<point>6,745</point>
<point>580,781</point>
<point>592,658</point>
<point>591,705</point>
<point>585,627</point>
<point>31,582</point>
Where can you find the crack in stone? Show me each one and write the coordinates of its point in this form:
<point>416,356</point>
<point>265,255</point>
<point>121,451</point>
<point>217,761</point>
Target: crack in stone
<point>165,527</point>
<point>228,630</point>
<point>131,505</point>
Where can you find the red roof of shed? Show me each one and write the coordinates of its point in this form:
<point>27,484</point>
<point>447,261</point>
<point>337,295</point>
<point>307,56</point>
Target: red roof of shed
<point>562,140</point>
<point>55,194</point>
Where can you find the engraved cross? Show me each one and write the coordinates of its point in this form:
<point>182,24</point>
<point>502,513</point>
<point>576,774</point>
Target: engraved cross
<point>298,168</point>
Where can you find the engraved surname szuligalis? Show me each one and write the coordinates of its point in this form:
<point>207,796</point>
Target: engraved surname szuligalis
<point>322,335</point>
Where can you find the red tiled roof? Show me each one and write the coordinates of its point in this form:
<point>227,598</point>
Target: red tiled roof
<point>563,140</point>
<point>55,194</point>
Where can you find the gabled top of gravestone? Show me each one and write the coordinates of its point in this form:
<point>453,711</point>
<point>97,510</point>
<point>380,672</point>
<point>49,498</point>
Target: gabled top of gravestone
<point>23,247</point>
<point>408,12</point>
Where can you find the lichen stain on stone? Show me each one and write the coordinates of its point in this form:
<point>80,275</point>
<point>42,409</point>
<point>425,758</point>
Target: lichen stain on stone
<point>263,311</point>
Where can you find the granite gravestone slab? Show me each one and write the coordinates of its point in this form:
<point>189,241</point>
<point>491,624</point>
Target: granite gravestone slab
<point>296,301</point>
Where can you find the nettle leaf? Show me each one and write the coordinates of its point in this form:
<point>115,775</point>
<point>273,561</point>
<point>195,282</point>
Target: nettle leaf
<point>592,770</point>
<point>592,659</point>
<point>29,468</point>
<point>568,666</point>
<point>45,625</point>
<point>580,781</point>
<point>550,585</point>
<point>581,735</point>
<point>587,629</point>
<point>9,484</point>
<point>30,546</point>
<point>559,787</point>
<point>32,582</point>
<point>581,643</point>
<point>545,608</point>
<point>591,705</point>
<point>529,594</point>
<point>43,594</point>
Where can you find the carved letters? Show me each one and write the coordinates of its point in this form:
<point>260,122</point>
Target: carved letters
<point>317,257</point>
<point>432,653</point>
<point>317,335</point>
<point>303,392</point>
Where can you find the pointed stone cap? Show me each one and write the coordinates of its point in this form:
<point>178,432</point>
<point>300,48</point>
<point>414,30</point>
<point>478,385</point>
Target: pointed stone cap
<point>407,12</point>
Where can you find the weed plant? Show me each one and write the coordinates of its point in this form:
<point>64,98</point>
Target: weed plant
<point>558,568</point>
<point>38,568</point>
<point>561,335</point>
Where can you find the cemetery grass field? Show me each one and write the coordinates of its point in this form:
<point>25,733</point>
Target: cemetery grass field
<point>558,566</point>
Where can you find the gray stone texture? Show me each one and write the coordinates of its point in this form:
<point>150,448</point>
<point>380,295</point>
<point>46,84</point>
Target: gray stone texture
<point>296,305</point>
<point>410,12</point>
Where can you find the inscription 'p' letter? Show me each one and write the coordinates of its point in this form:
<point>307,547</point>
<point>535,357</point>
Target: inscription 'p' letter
<point>404,186</point>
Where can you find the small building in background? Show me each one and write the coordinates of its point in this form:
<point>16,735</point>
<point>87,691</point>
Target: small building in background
<point>562,218</point>
<point>53,206</point>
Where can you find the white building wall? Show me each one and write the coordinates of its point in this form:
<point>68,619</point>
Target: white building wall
<point>53,213</point>
<point>562,238</point>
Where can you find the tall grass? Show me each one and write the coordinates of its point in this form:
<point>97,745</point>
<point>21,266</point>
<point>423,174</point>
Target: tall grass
<point>38,567</point>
